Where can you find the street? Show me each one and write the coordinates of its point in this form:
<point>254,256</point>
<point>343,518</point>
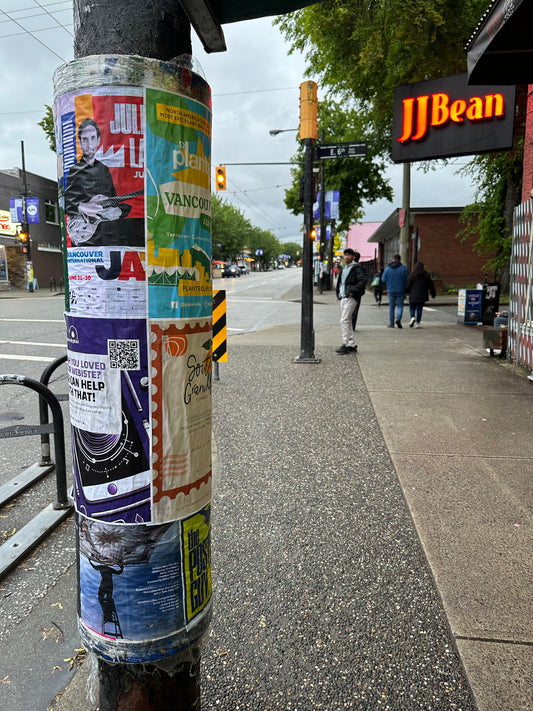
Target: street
<point>38,600</point>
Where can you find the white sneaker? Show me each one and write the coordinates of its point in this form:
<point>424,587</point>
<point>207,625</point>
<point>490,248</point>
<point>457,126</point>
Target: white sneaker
<point>417,325</point>
<point>412,322</point>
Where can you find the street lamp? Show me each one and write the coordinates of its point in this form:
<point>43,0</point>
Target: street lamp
<point>275,131</point>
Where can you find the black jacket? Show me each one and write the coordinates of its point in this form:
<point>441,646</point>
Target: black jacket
<point>355,282</point>
<point>418,286</point>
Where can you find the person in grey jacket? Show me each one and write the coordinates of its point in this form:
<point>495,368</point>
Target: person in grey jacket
<point>350,286</point>
<point>395,277</point>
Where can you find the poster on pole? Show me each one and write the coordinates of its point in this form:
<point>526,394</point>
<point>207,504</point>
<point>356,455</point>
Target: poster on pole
<point>178,205</point>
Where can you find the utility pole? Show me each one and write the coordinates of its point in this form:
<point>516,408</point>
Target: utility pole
<point>25,224</point>
<point>308,131</point>
<point>406,200</point>
<point>143,546</point>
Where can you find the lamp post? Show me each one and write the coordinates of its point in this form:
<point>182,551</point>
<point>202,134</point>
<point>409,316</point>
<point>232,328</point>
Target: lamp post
<point>307,345</point>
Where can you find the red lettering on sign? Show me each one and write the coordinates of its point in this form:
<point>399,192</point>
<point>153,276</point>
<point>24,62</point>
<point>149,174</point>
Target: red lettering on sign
<point>423,112</point>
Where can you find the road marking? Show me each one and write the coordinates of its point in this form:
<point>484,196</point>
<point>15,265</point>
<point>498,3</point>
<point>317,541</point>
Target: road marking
<point>34,320</point>
<point>20,357</point>
<point>31,343</point>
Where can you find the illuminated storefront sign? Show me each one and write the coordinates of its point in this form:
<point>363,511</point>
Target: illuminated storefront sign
<point>6,226</point>
<point>446,117</point>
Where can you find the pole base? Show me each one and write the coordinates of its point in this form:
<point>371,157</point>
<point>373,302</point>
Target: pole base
<point>306,359</point>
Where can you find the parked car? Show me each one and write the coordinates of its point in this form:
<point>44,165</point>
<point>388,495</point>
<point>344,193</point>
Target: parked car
<point>231,270</point>
<point>243,268</point>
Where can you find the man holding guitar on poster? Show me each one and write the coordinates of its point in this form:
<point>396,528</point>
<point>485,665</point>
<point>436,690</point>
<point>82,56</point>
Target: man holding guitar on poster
<point>93,208</point>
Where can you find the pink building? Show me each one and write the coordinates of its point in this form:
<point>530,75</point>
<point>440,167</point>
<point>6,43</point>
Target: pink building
<point>357,238</point>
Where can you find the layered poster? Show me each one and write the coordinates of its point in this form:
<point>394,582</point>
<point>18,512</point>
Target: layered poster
<point>110,417</point>
<point>178,206</point>
<point>144,582</point>
<point>181,366</point>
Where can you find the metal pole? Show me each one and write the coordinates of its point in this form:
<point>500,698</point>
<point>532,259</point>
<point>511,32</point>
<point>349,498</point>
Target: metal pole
<point>25,220</point>
<point>406,199</point>
<point>307,336</point>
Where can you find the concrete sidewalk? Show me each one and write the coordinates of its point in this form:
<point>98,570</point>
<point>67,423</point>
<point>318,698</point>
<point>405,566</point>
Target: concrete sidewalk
<point>372,524</point>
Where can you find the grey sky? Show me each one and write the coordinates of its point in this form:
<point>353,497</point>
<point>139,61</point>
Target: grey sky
<point>255,87</point>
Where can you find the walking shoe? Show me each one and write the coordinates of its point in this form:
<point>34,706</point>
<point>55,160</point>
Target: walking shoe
<point>417,325</point>
<point>391,325</point>
<point>343,350</point>
<point>412,322</point>
<point>352,349</point>
<point>399,323</point>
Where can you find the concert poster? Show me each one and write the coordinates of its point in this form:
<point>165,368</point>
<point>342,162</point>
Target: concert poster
<point>178,206</point>
<point>102,167</point>
<point>110,416</point>
<point>181,368</point>
<point>107,281</point>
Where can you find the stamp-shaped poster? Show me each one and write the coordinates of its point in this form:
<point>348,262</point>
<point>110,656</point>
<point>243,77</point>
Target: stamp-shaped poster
<point>181,360</point>
<point>110,416</point>
<point>106,281</point>
<point>178,206</point>
<point>102,170</point>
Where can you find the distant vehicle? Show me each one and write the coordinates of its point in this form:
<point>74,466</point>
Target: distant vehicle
<point>243,268</point>
<point>231,270</point>
<point>281,266</point>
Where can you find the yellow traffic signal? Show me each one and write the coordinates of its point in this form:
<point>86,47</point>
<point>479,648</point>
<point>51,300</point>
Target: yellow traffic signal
<point>220,177</point>
<point>308,110</point>
<point>312,233</point>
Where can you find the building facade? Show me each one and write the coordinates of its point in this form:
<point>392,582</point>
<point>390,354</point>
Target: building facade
<point>434,241</point>
<point>45,235</point>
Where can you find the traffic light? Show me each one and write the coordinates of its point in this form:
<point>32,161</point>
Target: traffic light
<point>308,110</point>
<point>24,237</point>
<point>220,177</point>
<point>312,233</point>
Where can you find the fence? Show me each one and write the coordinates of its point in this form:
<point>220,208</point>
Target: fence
<point>520,337</point>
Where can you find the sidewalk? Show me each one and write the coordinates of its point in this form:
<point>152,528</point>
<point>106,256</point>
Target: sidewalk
<point>372,524</point>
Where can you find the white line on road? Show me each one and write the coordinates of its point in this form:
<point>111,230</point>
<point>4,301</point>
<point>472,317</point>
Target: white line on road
<point>21,357</point>
<point>31,343</point>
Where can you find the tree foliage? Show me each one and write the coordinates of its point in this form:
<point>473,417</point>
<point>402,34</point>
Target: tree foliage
<point>357,179</point>
<point>360,50</point>
<point>233,233</point>
<point>47,124</point>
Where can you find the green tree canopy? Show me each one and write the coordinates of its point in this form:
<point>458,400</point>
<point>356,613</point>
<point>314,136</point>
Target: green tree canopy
<point>360,50</point>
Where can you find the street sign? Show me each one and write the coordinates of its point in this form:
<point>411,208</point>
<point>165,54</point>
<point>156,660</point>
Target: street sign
<point>341,150</point>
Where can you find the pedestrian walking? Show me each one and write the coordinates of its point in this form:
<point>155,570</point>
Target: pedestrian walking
<point>395,277</point>
<point>350,286</point>
<point>377,285</point>
<point>419,283</point>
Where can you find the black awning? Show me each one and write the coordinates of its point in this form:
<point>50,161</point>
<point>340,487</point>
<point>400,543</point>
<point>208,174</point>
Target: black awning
<point>501,49</point>
<point>236,10</point>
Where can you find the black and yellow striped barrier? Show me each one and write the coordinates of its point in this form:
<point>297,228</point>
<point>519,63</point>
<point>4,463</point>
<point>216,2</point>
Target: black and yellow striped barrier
<point>220,341</point>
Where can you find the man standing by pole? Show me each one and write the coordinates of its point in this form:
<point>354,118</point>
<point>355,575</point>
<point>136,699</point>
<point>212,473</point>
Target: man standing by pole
<point>350,287</point>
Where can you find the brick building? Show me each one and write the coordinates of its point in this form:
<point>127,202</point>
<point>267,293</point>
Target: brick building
<point>434,242</point>
<point>45,236</point>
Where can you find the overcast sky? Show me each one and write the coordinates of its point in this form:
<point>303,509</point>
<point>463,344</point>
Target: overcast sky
<point>255,87</point>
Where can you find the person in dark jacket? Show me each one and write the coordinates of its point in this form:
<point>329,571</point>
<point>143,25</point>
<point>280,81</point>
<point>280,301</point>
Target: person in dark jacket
<point>350,286</point>
<point>419,283</point>
<point>395,277</point>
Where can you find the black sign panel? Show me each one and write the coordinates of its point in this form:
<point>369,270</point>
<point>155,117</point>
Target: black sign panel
<point>446,117</point>
<point>341,150</point>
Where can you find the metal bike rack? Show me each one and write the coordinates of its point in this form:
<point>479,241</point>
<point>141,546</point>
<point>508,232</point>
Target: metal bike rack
<point>28,537</point>
<point>43,408</point>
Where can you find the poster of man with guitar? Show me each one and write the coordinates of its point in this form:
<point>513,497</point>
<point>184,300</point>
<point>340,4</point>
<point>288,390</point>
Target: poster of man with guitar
<point>96,215</point>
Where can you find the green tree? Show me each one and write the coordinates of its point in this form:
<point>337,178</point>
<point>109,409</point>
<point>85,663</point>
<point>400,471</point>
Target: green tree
<point>229,229</point>
<point>360,50</point>
<point>293,249</point>
<point>47,124</point>
<point>357,179</point>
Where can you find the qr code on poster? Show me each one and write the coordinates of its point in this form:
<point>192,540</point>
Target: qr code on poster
<point>123,354</point>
